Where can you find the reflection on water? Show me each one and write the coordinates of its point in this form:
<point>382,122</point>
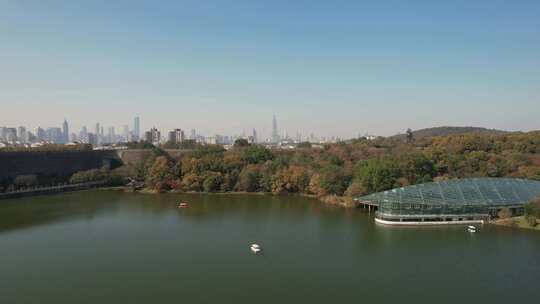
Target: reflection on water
<point>27,212</point>
<point>111,247</point>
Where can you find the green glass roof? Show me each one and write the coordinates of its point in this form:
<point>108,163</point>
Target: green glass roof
<point>466,191</point>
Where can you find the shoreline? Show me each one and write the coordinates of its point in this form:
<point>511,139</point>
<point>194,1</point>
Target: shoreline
<point>340,201</point>
<point>330,199</point>
<point>50,190</point>
<point>518,222</point>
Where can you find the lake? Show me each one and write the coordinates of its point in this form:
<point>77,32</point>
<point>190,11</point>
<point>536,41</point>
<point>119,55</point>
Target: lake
<point>115,247</point>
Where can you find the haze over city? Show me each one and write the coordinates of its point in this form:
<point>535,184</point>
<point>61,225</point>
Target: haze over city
<point>222,67</point>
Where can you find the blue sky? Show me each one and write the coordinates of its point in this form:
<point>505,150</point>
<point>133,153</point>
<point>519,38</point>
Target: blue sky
<point>328,67</point>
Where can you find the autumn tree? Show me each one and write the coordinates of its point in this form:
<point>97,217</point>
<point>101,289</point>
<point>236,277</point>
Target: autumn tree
<point>292,180</point>
<point>504,213</point>
<point>161,174</point>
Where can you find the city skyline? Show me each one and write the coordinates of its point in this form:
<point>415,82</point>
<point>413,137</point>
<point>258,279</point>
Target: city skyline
<point>266,131</point>
<point>104,135</point>
<point>221,67</point>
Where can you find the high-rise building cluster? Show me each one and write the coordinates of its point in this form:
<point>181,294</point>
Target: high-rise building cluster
<point>61,135</point>
<point>99,135</point>
<point>23,136</point>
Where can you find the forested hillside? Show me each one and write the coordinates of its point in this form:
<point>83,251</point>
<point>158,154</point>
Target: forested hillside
<point>445,131</point>
<point>359,167</point>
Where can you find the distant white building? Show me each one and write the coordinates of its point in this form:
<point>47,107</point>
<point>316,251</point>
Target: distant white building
<point>153,136</point>
<point>22,135</point>
<point>176,136</point>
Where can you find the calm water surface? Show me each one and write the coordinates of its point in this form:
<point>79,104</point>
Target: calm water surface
<point>113,247</point>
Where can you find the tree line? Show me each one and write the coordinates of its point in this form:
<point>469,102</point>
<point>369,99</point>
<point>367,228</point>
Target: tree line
<point>354,168</point>
<point>351,168</point>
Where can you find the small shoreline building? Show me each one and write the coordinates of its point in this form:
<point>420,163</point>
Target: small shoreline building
<point>458,201</point>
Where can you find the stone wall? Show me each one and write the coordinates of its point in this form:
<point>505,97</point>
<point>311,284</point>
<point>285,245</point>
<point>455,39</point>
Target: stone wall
<point>53,163</point>
<point>65,163</point>
<point>134,156</point>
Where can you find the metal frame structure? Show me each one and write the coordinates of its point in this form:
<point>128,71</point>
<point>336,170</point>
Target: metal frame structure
<point>457,201</point>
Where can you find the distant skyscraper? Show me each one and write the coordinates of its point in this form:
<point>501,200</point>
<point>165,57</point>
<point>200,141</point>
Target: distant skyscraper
<point>65,132</point>
<point>22,135</point>
<point>176,136</point>
<point>125,133</point>
<point>298,137</point>
<point>111,137</point>
<point>83,135</point>
<point>193,134</point>
<point>275,134</point>
<point>96,134</point>
<point>54,135</point>
<point>92,139</point>
<point>136,128</point>
<point>40,134</point>
<point>153,136</point>
<point>11,134</point>
<point>254,134</point>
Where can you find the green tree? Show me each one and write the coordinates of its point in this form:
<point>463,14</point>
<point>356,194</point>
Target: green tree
<point>416,168</point>
<point>241,142</point>
<point>92,175</point>
<point>230,180</point>
<point>256,154</point>
<point>532,211</point>
<point>304,145</point>
<point>333,179</point>
<point>25,181</point>
<point>248,179</point>
<point>377,174</point>
<point>409,136</point>
<point>212,182</point>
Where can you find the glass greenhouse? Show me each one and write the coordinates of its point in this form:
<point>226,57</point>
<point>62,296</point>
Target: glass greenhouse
<point>469,200</point>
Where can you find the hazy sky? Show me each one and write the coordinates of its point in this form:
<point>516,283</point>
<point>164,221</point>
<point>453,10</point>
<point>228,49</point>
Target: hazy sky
<point>329,67</point>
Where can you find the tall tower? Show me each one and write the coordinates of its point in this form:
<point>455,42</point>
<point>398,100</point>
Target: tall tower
<point>65,131</point>
<point>254,134</point>
<point>125,133</point>
<point>275,134</point>
<point>22,135</point>
<point>137,128</point>
<point>98,137</point>
<point>83,134</point>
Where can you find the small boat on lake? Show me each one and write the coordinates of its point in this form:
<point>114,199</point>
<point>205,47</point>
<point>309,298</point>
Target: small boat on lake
<point>255,248</point>
<point>183,205</point>
<point>471,228</point>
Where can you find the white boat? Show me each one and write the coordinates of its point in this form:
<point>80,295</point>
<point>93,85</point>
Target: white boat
<point>471,228</point>
<point>255,248</point>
